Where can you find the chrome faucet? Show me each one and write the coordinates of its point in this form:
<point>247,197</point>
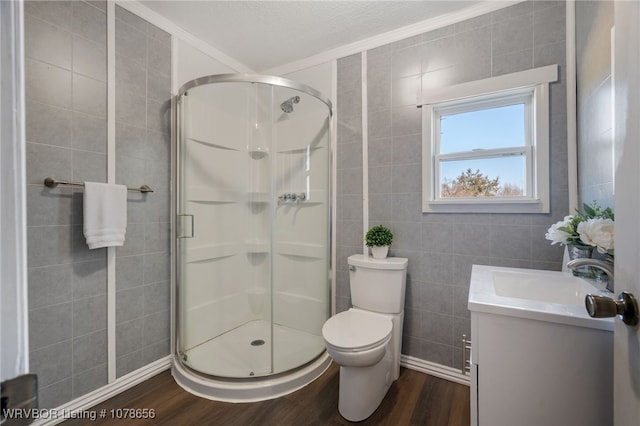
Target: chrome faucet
<point>606,266</point>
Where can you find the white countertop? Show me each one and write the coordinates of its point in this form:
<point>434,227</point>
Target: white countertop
<point>534,294</point>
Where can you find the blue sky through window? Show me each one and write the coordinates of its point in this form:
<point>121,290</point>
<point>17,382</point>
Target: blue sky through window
<point>491,128</point>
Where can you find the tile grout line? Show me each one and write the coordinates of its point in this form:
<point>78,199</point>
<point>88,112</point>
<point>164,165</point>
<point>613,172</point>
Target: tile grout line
<point>111,178</point>
<point>365,150</point>
<point>73,302</point>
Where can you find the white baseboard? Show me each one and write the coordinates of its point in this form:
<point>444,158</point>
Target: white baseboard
<point>433,369</point>
<point>85,402</point>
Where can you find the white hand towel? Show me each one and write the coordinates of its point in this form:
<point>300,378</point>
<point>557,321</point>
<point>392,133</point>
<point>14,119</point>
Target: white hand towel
<point>105,214</point>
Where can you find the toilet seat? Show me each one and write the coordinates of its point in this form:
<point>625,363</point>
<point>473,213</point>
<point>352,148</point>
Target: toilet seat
<point>356,330</point>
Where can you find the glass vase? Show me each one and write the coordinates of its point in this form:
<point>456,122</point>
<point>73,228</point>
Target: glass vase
<point>581,252</point>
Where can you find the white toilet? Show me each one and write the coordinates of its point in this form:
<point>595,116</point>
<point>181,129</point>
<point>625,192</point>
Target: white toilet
<point>366,340</point>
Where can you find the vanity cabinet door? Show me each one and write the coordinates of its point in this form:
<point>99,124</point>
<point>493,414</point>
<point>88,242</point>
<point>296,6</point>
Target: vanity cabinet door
<point>531,373</point>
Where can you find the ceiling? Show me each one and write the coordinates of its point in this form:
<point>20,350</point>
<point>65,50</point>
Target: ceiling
<point>267,34</point>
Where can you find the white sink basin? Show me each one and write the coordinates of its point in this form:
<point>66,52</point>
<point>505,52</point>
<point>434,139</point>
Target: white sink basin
<point>535,294</point>
<point>563,289</point>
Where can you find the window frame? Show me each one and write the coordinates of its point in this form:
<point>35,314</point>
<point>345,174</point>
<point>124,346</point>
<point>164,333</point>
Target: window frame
<point>492,92</point>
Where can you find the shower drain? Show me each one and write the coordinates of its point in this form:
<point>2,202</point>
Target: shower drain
<point>257,342</point>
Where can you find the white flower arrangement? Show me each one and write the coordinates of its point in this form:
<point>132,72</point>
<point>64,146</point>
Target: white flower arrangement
<point>555,233</point>
<point>591,228</point>
<point>598,233</point>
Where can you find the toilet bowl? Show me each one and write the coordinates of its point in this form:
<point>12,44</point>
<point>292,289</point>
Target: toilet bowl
<point>357,338</point>
<point>365,340</point>
<point>358,341</point>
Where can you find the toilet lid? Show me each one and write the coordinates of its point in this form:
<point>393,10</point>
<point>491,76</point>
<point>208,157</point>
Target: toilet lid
<point>356,330</point>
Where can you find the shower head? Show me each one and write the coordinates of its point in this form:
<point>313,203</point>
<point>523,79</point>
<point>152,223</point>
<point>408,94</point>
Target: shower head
<point>287,106</point>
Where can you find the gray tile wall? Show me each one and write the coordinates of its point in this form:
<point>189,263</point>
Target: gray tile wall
<point>349,170</point>
<point>594,21</point>
<point>143,154</point>
<point>66,128</point>
<point>442,247</point>
<point>66,138</point>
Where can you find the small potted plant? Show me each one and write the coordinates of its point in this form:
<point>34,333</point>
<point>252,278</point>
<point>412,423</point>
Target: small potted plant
<point>379,238</point>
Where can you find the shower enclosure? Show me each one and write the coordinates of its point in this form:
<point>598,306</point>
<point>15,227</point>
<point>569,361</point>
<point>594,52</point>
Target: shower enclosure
<point>252,235</point>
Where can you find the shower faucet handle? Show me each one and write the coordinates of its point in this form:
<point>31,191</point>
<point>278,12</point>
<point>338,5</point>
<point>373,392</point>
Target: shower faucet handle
<point>292,197</point>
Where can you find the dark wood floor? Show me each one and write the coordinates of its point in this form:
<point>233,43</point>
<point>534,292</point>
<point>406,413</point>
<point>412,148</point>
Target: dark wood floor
<point>414,399</point>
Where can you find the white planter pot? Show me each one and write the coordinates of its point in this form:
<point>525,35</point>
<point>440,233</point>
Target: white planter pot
<point>379,252</point>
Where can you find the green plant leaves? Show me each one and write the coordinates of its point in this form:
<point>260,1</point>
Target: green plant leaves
<point>378,236</point>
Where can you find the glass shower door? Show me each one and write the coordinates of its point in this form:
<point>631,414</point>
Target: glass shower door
<point>224,230</point>
<point>253,272</point>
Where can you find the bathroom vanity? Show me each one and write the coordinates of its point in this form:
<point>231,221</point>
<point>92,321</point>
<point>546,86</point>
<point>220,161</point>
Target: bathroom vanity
<point>537,358</point>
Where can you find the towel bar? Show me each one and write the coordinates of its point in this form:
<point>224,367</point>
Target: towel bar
<point>53,182</point>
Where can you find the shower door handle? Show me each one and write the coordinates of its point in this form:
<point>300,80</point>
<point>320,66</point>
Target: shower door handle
<point>192,223</point>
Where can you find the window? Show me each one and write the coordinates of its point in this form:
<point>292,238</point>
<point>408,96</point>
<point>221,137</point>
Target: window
<point>485,145</point>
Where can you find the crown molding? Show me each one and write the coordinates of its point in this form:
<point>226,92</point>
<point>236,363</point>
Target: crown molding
<point>378,40</point>
<point>165,24</point>
<point>393,36</point>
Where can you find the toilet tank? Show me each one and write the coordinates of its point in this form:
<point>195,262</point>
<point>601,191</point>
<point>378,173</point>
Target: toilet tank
<point>378,285</point>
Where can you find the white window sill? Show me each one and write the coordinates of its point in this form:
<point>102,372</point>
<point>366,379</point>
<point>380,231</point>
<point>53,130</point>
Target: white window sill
<point>476,206</point>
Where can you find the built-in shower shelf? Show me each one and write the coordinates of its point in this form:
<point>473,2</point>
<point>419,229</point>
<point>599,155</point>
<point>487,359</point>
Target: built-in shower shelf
<point>200,194</point>
<point>258,197</point>
<point>300,204</point>
<point>300,150</point>
<point>296,295</point>
<point>211,144</point>
<point>213,251</point>
<point>257,246</point>
<point>315,251</point>
<point>258,153</point>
